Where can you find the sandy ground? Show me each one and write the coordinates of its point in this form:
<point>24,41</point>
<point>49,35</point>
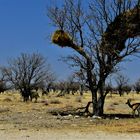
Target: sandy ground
<point>8,132</point>
<point>57,135</point>
<point>32,121</point>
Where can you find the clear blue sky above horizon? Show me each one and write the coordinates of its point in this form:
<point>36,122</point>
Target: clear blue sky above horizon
<point>24,28</point>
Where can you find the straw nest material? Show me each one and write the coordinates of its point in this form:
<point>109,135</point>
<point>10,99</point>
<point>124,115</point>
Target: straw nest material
<point>61,38</point>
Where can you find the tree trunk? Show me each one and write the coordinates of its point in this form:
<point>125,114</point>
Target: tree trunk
<point>81,89</point>
<point>98,103</point>
<point>100,106</point>
<point>25,94</point>
<point>101,99</point>
<point>94,101</point>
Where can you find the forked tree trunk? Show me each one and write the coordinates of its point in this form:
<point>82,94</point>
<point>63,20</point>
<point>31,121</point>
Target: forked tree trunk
<point>98,104</point>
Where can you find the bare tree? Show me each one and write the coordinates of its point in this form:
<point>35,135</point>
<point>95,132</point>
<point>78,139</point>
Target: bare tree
<point>3,83</point>
<point>137,86</point>
<point>80,77</point>
<point>68,86</point>
<point>27,72</point>
<point>2,86</point>
<point>102,33</point>
<point>122,82</point>
<point>128,89</point>
<point>48,83</point>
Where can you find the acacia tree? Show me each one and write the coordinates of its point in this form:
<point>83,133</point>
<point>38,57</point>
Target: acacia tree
<point>102,34</point>
<point>27,72</point>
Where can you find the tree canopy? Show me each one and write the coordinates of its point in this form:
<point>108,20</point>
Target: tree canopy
<point>27,72</point>
<point>103,33</point>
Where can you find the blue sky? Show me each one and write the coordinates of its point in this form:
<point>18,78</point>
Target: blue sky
<point>24,27</point>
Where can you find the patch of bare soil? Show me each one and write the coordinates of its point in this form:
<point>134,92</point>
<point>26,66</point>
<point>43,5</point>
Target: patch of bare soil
<point>25,134</point>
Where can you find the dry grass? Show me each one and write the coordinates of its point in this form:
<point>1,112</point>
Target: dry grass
<point>55,101</point>
<point>78,99</point>
<point>35,115</point>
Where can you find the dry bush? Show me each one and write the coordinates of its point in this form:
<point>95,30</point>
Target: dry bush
<point>64,111</point>
<point>67,97</point>
<point>3,110</point>
<point>110,108</point>
<point>78,99</point>
<point>45,102</point>
<point>55,101</point>
<point>115,103</point>
<point>53,111</point>
<point>7,100</point>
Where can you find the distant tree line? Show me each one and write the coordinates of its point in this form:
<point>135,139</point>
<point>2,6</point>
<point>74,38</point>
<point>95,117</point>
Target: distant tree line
<point>30,72</point>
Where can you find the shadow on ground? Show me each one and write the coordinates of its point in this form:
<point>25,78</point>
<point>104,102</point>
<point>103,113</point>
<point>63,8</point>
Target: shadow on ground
<point>121,116</point>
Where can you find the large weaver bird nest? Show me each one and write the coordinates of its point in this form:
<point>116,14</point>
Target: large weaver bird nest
<point>61,38</point>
